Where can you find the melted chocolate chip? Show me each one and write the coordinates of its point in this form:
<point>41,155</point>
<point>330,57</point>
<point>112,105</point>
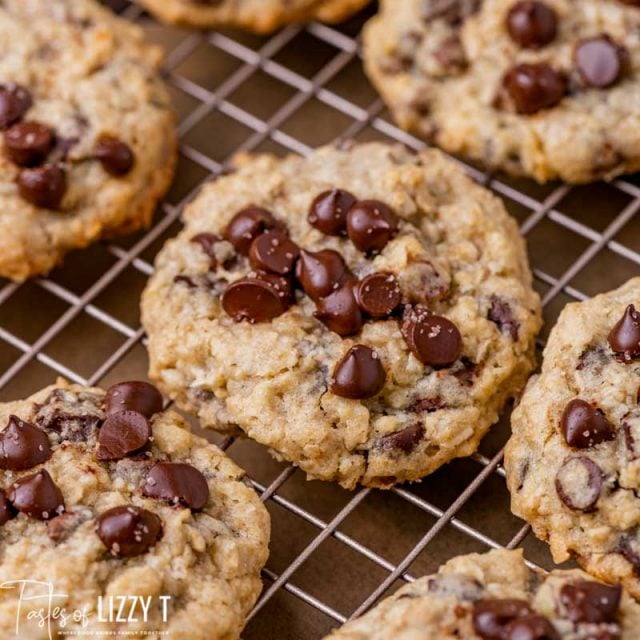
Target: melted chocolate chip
<point>491,617</point>
<point>501,314</point>
<point>22,445</point>
<point>600,61</point>
<point>405,440</point>
<point>434,340</point>
<point>624,338</point>
<point>273,252</point>
<point>37,496</point>
<point>579,483</point>
<point>115,156</point>
<point>533,87</point>
<point>7,512</point>
<point>532,24</point>
<point>177,483</point>
<point>128,531</point>
<point>15,101</point>
<point>61,527</point>
<point>340,312</point>
<point>359,374</point>
<point>44,186</point>
<point>247,225</point>
<point>591,602</point>
<point>530,627</point>
<point>328,212</point>
<point>257,298</point>
<point>584,426</point>
<point>371,224</point>
<point>74,428</point>
<point>27,144</point>
<point>134,395</point>
<point>321,273</point>
<point>207,242</point>
<point>122,434</point>
<point>379,294</point>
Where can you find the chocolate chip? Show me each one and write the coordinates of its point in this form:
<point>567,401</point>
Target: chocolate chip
<point>247,225</point>
<point>28,143</point>
<point>37,496</point>
<point>7,512</point>
<point>134,395</point>
<point>450,54</point>
<point>321,273</point>
<point>340,312</point>
<point>578,483</point>
<point>533,87</point>
<point>592,602</point>
<point>405,440</point>
<point>256,299</point>
<point>273,252</point>
<point>584,426</point>
<point>423,283</point>
<point>428,405</point>
<point>593,359</point>
<point>115,156</point>
<point>128,531</point>
<point>207,242</point>
<point>600,61</point>
<point>532,24</point>
<point>379,294</point>
<point>15,101</point>
<point>490,617</point>
<point>501,314</point>
<point>530,627</point>
<point>371,224</point>
<point>328,211</point>
<point>631,431</point>
<point>434,340</point>
<point>61,527</point>
<point>177,483</point>
<point>44,186</point>
<point>74,428</point>
<point>624,338</point>
<point>629,547</point>
<point>359,374</point>
<point>121,434</point>
<point>22,445</point>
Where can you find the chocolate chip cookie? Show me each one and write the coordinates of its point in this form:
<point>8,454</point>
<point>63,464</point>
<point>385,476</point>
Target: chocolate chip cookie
<point>495,596</point>
<point>542,88</point>
<point>573,462</point>
<point>261,16</point>
<point>364,312</point>
<point>105,498</point>
<point>87,131</point>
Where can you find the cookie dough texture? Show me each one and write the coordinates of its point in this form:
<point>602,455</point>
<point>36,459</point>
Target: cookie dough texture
<point>440,606</point>
<point>208,562</point>
<point>271,380</point>
<point>90,74</point>
<point>262,16</point>
<point>440,79</point>
<point>579,363</point>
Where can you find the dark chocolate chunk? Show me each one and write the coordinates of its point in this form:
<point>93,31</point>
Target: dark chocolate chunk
<point>37,496</point>
<point>134,395</point>
<point>591,602</point>
<point>27,144</point>
<point>533,87</point>
<point>22,445</point>
<point>532,24</point>
<point>273,252</point>
<point>600,61</point>
<point>15,101</point>
<point>371,224</point>
<point>379,294</point>
<point>405,440</point>
<point>579,483</point>
<point>584,426</point>
<point>624,338</point>
<point>44,186</point>
<point>128,531</point>
<point>491,616</point>
<point>115,156</point>
<point>340,312</point>
<point>321,273</point>
<point>7,512</point>
<point>359,374</point>
<point>530,627</point>
<point>328,211</point>
<point>122,434</point>
<point>247,225</point>
<point>177,482</point>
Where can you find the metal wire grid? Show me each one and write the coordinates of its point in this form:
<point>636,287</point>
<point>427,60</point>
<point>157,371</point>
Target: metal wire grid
<point>583,240</point>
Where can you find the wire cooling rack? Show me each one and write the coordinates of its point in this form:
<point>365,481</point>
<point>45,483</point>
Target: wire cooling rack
<point>334,553</point>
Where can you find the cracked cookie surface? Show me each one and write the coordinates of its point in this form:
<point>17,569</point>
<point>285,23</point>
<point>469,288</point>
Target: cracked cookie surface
<point>87,131</point>
<point>572,462</point>
<point>548,89</point>
<point>261,16</point>
<point>105,496</point>
<point>408,323</point>
<point>495,595</point>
